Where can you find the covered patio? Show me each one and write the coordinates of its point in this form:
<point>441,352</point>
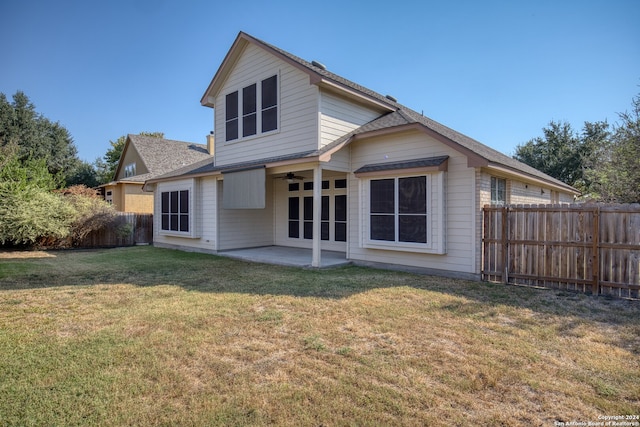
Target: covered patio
<point>282,255</point>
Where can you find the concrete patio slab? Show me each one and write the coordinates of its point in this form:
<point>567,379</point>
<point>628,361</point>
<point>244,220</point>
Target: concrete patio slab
<point>281,255</point>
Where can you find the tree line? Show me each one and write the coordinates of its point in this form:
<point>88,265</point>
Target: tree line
<point>602,160</point>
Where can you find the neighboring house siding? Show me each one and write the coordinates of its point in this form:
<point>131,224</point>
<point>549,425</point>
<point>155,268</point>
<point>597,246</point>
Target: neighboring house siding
<point>136,200</point>
<point>245,228</point>
<point>298,108</point>
<point>131,156</point>
<point>339,117</point>
<point>204,209</point>
<point>459,227</point>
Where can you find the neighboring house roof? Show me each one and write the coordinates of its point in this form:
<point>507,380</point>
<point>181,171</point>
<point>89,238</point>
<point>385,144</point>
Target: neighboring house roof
<point>161,156</point>
<point>399,118</point>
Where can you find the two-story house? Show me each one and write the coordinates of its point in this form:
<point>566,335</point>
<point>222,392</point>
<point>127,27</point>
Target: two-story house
<point>307,159</point>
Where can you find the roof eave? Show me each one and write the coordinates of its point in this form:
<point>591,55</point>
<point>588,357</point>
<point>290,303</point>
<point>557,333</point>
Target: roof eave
<point>351,93</point>
<point>223,71</point>
<point>532,178</point>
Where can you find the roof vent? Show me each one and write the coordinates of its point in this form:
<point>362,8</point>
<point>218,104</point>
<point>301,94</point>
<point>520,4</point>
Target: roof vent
<point>319,65</point>
<point>391,98</point>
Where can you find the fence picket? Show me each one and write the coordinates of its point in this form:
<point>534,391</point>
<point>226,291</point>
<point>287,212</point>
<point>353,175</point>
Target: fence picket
<point>587,248</point>
<point>140,232</point>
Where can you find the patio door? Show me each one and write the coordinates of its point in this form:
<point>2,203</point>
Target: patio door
<point>334,211</point>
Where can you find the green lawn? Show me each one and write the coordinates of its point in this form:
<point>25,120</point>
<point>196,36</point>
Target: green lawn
<point>144,336</point>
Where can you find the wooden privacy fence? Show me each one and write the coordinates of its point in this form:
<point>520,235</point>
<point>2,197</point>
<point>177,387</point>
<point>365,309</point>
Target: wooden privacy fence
<point>588,248</point>
<point>128,229</point>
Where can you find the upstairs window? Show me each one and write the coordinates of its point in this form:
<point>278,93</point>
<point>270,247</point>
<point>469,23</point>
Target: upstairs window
<point>130,170</point>
<point>231,120</point>
<point>270,104</point>
<point>249,115</point>
<point>498,191</point>
<point>252,110</point>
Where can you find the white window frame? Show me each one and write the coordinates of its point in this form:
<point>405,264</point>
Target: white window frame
<point>435,215</point>
<point>492,189</point>
<point>167,188</point>
<point>331,193</point>
<point>130,169</point>
<point>259,109</point>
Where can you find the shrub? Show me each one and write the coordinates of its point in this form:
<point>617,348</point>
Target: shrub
<point>28,208</point>
<point>91,213</point>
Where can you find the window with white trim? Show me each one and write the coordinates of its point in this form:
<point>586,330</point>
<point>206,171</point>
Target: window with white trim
<point>252,110</point>
<point>498,191</point>
<point>398,209</point>
<point>130,170</point>
<point>175,211</point>
<point>333,217</point>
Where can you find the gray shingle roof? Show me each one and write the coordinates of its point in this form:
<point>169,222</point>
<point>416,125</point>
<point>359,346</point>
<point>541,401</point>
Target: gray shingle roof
<point>161,156</point>
<point>328,74</point>
<point>405,116</point>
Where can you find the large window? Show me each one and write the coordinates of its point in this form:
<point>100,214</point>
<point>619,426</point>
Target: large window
<point>175,211</point>
<point>498,191</point>
<point>253,108</point>
<point>398,210</point>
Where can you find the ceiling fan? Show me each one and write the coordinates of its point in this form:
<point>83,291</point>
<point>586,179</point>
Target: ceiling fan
<point>290,177</point>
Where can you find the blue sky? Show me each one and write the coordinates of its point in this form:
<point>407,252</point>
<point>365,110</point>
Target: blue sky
<point>497,71</point>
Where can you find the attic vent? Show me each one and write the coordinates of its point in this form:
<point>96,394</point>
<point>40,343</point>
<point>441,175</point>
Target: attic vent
<point>391,98</point>
<point>319,65</point>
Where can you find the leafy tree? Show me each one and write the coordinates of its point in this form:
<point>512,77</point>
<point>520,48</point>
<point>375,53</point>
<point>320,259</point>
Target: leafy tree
<point>29,209</point>
<point>36,136</point>
<point>557,153</point>
<point>593,140</point>
<point>601,161</point>
<point>106,169</point>
<point>83,173</point>
<point>615,170</point>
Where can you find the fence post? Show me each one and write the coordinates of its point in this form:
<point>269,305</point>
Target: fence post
<point>596,252</point>
<point>505,246</point>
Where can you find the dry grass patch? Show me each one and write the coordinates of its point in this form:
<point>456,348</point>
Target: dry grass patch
<point>144,336</point>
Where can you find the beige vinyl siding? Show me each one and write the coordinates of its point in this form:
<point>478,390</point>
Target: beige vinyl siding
<point>340,161</point>
<point>338,117</point>
<point>459,228</point>
<point>298,105</point>
<point>245,228</point>
<point>204,209</point>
